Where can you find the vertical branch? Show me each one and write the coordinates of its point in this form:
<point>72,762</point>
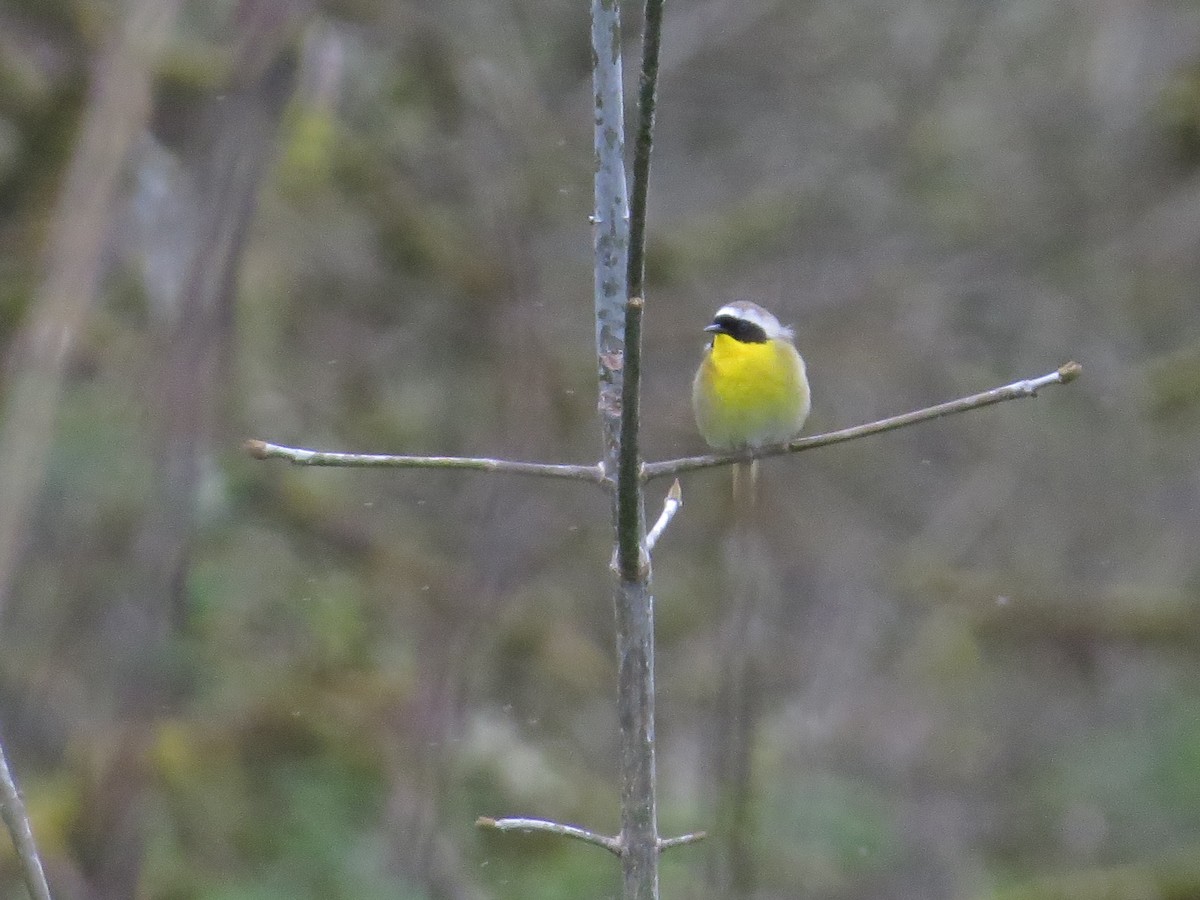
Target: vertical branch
<point>634,601</point>
<point>635,711</point>
<point>643,142</point>
<point>610,221</point>
<point>633,563</point>
<point>635,644</point>
<point>631,524</point>
<point>618,318</point>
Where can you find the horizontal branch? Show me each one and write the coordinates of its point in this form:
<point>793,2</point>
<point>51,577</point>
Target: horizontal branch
<point>611,844</point>
<point>1029,388</point>
<point>596,475</point>
<point>299,456</point>
<point>668,843</point>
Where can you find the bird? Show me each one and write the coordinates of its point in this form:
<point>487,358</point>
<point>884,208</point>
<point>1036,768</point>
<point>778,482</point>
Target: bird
<point>751,388</point>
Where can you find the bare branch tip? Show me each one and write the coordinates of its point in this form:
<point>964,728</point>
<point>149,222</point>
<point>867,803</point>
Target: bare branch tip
<point>671,505</point>
<point>1069,371</point>
<point>256,448</point>
<point>485,822</point>
<point>676,492</point>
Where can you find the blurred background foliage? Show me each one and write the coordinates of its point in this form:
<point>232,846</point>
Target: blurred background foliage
<point>958,661</point>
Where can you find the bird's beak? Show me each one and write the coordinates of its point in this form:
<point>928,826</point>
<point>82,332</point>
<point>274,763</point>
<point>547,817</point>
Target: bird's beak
<point>714,328</point>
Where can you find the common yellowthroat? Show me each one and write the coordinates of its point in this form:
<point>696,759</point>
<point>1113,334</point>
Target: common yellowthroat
<point>751,389</point>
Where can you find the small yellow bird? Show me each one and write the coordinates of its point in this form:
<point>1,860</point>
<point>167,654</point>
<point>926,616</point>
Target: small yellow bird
<point>751,389</point>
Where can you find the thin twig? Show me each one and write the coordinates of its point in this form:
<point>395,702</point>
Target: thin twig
<point>668,843</point>
<point>670,506</point>
<point>301,457</point>
<point>611,844</point>
<point>12,809</point>
<point>1066,373</point>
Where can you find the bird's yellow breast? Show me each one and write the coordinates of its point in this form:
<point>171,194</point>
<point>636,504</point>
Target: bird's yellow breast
<point>750,394</point>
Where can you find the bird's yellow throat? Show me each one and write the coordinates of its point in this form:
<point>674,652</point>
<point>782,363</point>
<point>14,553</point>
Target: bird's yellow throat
<point>759,372</point>
<point>750,393</point>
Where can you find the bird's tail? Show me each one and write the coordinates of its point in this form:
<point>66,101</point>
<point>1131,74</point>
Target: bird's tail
<point>745,485</point>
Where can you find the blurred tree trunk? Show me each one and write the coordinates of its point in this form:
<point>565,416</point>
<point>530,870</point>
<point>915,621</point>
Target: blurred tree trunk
<point>191,359</point>
<point>193,342</point>
<point>117,109</point>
